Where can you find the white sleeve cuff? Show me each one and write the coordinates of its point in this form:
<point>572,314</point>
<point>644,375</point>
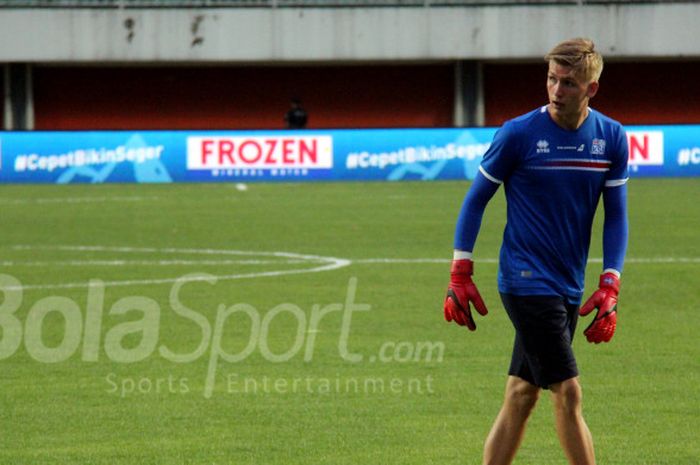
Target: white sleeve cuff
<point>612,271</point>
<point>461,255</point>
<point>616,182</point>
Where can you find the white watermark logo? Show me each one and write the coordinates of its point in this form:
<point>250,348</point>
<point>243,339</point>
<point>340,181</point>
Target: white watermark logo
<point>83,332</point>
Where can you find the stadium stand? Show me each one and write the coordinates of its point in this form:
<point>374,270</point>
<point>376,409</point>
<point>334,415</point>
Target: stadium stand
<point>127,64</point>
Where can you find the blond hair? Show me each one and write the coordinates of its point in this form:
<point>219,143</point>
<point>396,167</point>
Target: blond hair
<point>580,54</point>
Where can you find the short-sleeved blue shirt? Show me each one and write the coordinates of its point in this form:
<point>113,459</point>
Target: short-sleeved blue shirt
<point>553,181</point>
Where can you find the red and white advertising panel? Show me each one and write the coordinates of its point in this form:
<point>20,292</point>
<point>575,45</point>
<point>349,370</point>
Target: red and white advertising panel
<point>646,147</point>
<point>259,152</point>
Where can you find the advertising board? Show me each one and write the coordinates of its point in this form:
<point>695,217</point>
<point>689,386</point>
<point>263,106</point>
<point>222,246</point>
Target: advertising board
<point>310,155</point>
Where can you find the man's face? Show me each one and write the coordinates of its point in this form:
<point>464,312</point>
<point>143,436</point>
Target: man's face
<point>568,92</point>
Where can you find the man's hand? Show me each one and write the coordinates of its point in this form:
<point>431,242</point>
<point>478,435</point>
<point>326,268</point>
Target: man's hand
<point>462,290</point>
<point>605,300</point>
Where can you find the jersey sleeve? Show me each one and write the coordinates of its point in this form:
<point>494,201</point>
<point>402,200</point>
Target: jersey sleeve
<point>502,156</point>
<point>469,220</point>
<point>618,173</point>
<point>615,228</point>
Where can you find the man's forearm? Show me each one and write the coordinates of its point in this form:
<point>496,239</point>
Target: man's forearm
<point>615,228</point>
<point>469,220</point>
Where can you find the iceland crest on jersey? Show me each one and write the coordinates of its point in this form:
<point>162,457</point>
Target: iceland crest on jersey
<point>598,147</point>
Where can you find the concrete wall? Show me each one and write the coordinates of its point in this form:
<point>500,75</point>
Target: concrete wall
<point>282,35</point>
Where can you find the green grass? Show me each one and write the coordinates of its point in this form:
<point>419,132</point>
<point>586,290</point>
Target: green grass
<point>641,390</point>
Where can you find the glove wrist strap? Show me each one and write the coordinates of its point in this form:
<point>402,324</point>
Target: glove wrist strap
<point>462,267</point>
<point>609,281</point>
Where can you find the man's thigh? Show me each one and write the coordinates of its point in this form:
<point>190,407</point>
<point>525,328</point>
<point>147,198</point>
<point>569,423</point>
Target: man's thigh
<point>544,329</point>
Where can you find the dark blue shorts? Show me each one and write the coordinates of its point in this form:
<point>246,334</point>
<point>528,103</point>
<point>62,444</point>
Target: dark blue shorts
<point>544,330</point>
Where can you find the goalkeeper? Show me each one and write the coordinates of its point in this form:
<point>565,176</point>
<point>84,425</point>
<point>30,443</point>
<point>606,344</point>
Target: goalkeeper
<point>555,163</point>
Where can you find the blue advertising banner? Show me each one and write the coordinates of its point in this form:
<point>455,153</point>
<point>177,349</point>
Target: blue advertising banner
<point>325,155</point>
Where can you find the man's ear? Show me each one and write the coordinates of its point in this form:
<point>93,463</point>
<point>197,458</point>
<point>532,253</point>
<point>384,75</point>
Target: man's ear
<point>592,89</point>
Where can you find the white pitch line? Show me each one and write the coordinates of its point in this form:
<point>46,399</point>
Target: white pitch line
<point>650,260</point>
<point>390,261</point>
<point>327,264</point>
<point>338,263</point>
<point>154,250</point>
<point>324,263</point>
<point>662,260</point>
<point>76,200</point>
<point>401,260</point>
<point>20,263</point>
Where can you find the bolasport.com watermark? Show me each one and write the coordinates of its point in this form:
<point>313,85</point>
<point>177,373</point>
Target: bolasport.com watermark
<point>88,336</point>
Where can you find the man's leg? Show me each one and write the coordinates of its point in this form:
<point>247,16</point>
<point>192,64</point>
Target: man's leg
<point>574,435</point>
<point>509,427</point>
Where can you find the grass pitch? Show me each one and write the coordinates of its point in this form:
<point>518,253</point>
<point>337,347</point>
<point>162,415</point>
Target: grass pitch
<point>274,365</point>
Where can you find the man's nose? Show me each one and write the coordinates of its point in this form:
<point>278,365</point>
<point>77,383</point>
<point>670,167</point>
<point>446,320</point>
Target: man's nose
<point>558,90</point>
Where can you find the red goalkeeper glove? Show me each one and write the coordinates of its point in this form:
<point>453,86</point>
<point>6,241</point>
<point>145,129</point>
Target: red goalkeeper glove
<point>605,300</point>
<point>461,292</point>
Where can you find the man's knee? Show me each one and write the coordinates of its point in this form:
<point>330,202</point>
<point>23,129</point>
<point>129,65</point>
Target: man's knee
<point>567,396</point>
<point>521,395</point>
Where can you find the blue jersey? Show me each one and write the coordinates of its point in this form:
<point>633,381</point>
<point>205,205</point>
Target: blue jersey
<point>553,181</point>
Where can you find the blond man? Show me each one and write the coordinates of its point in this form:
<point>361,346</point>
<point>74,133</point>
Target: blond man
<point>555,163</point>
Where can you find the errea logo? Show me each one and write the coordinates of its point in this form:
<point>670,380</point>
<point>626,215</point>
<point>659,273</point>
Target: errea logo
<point>542,146</point>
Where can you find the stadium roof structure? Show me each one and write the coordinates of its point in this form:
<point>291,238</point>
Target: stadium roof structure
<point>304,3</point>
<point>337,31</point>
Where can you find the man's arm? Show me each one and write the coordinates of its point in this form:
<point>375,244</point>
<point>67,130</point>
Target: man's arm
<point>615,233</point>
<point>615,228</point>
<point>469,220</point>
<point>462,289</point>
